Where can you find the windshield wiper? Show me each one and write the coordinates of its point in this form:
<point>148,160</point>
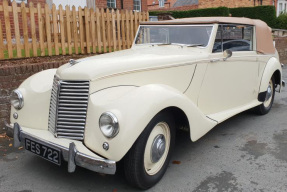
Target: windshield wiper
<point>193,45</point>
<point>179,44</point>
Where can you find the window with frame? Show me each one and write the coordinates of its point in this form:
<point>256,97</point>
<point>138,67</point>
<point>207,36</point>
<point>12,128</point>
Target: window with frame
<point>20,1</point>
<point>111,3</point>
<point>137,5</point>
<point>161,3</point>
<point>234,38</point>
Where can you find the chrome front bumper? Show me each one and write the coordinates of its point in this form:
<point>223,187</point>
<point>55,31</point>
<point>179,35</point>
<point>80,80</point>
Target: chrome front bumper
<point>71,154</point>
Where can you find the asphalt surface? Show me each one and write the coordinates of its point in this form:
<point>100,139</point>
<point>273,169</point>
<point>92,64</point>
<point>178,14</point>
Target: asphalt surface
<point>246,153</point>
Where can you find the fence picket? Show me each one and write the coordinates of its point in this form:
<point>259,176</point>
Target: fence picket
<point>62,30</point>
<point>16,28</point>
<point>93,30</point>
<point>25,29</point>
<point>48,29</point>
<point>128,29</point>
<point>69,30</point>
<point>119,29</point>
<point>123,30</point>
<point>33,29</point>
<point>75,27</point>
<point>8,29</point>
<point>1,44</point>
<point>55,29</point>
<point>87,29</point>
<point>132,27</point>
<point>103,25</point>
<point>109,30</point>
<point>81,24</point>
<point>98,30</point>
<point>41,35</point>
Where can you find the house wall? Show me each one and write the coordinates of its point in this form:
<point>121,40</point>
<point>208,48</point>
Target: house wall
<point>154,4</point>
<point>127,4</point>
<point>232,3</point>
<point>209,3</point>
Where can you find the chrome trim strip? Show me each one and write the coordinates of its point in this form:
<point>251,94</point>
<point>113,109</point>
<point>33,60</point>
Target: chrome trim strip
<point>71,155</point>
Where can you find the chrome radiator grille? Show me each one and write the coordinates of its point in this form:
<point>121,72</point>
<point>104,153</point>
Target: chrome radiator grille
<point>68,108</point>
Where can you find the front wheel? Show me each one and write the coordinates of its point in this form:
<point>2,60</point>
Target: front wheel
<point>266,106</point>
<point>147,161</point>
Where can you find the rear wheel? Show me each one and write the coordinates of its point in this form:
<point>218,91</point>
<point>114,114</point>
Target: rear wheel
<point>266,106</point>
<point>147,161</point>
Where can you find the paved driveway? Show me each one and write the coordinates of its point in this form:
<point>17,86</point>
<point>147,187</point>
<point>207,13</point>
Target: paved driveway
<point>245,153</point>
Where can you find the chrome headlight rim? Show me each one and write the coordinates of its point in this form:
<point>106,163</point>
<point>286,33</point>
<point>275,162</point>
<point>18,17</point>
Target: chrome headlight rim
<point>20,99</point>
<point>115,123</point>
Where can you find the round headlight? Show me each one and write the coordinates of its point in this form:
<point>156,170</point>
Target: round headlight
<point>109,124</point>
<point>16,99</point>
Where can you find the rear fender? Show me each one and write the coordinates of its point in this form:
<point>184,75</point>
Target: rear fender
<point>272,66</point>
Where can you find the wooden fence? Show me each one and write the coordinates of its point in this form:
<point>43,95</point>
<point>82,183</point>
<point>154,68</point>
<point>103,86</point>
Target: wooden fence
<point>36,31</point>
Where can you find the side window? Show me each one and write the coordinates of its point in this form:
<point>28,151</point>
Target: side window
<point>234,38</point>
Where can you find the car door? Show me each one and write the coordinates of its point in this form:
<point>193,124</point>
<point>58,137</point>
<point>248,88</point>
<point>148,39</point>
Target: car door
<point>234,82</point>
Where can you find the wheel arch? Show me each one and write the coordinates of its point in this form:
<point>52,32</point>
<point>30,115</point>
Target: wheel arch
<point>272,68</point>
<point>180,117</point>
<point>277,77</point>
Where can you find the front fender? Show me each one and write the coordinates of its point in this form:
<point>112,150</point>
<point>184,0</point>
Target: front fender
<point>36,92</point>
<point>134,108</point>
<point>272,65</point>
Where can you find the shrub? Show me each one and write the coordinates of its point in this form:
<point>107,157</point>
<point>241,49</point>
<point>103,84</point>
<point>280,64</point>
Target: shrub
<point>282,21</point>
<point>264,13</point>
<point>220,11</point>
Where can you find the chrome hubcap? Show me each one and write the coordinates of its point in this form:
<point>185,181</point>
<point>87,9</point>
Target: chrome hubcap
<point>269,93</point>
<point>157,148</point>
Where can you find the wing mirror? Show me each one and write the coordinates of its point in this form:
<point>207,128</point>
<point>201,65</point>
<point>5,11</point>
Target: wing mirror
<point>227,54</point>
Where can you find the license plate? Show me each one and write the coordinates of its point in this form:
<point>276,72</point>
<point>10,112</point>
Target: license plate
<point>48,153</point>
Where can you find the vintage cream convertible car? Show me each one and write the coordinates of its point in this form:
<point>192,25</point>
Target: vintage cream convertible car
<point>189,74</point>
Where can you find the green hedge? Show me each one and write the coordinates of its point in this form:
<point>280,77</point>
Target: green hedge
<point>281,22</point>
<point>264,13</point>
<point>220,11</point>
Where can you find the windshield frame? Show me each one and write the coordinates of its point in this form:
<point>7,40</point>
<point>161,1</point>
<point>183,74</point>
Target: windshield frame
<point>196,25</point>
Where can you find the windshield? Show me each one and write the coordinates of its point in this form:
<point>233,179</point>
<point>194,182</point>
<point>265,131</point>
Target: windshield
<point>190,35</point>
